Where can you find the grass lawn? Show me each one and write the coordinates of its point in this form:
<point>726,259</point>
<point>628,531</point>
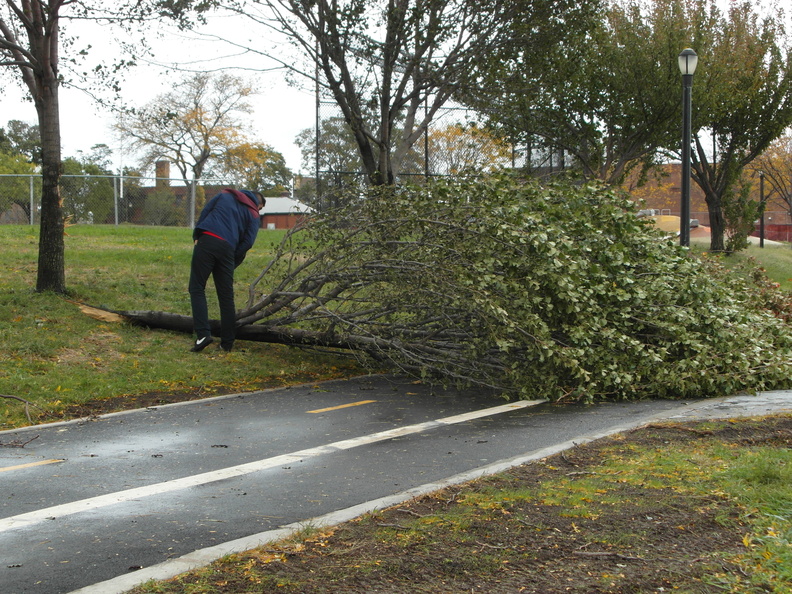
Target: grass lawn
<point>59,359</point>
<point>774,258</point>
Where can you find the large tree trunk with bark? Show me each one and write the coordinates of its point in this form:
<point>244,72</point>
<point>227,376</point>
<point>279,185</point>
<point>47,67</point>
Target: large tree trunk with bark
<point>51,259</point>
<point>277,335</point>
<point>38,65</point>
<point>717,226</point>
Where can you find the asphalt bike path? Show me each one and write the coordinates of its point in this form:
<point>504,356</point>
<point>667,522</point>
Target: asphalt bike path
<point>100,505</point>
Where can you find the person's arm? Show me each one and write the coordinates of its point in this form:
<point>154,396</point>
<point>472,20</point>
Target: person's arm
<point>246,241</point>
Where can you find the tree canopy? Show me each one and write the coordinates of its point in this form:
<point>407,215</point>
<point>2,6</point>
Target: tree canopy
<point>742,102</point>
<point>775,164</point>
<point>610,97</point>
<point>193,126</point>
<point>196,122</point>
<point>255,166</point>
<point>21,138</point>
<point>590,96</point>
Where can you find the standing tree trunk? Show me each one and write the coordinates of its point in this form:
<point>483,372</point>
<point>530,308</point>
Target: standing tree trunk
<point>717,225</point>
<point>51,261</point>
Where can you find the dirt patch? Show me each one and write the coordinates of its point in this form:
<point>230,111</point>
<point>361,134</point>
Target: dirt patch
<point>507,534</point>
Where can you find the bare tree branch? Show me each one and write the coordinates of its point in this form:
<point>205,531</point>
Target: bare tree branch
<point>27,403</point>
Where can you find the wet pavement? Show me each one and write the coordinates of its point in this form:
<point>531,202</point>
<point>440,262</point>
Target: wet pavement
<point>102,505</point>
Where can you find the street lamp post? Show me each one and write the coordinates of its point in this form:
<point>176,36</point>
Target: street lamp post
<point>687,66</point>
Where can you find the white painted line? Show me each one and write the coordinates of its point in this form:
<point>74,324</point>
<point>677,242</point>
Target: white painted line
<point>486,412</point>
<point>75,507</point>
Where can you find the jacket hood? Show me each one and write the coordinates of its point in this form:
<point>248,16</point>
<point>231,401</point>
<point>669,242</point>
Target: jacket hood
<point>247,198</point>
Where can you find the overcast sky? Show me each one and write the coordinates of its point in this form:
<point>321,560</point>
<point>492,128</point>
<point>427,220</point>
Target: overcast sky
<point>280,111</point>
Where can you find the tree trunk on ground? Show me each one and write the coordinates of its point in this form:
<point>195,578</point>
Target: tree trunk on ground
<point>256,333</point>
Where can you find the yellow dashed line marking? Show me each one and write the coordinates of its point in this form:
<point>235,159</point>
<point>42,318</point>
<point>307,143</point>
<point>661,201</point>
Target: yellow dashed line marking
<point>29,465</point>
<point>321,410</point>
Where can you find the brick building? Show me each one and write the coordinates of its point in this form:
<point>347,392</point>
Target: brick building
<point>665,195</point>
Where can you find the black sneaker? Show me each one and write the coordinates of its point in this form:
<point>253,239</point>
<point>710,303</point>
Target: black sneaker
<point>201,344</point>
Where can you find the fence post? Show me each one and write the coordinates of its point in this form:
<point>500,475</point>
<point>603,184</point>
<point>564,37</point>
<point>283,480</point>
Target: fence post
<point>192,203</point>
<point>116,186</point>
<point>32,205</point>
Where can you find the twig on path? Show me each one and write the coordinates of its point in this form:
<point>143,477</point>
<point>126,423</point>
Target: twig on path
<point>17,444</point>
<point>398,526</point>
<point>411,512</point>
<point>608,554</point>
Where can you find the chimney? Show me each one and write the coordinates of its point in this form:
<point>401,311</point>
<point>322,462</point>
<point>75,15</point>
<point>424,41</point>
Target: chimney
<point>162,173</point>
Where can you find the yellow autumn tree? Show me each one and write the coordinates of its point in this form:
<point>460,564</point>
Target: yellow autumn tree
<point>254,166</point>
<point>776,166</point>
<point>460,148</point>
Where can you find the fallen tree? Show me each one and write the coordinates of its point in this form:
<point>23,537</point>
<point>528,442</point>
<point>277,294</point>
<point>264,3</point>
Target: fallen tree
<point>556,291</point>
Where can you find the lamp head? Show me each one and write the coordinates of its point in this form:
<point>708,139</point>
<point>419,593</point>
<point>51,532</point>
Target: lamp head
<point>688,60</point>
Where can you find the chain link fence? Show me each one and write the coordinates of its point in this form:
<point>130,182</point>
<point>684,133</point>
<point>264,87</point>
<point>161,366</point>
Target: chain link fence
<point>106,199</point>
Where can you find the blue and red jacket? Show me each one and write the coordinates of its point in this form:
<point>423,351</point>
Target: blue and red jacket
<point>233,216</point>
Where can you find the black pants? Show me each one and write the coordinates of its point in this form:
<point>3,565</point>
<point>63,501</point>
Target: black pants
<point>213,256</point>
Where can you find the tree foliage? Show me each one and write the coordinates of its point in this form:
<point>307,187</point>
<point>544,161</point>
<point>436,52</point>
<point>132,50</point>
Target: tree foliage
<point>87,187</point>
<point>15,190</point>
<point>592,97</point>
<point>466,149</point>
<point>194,126</point>
<point>742,96</point>
<point>553,292</point>
<point>337,159</point>
<point>453,149</point>
<point>611,97</point>
<point>254,166</point>
<point>21,138</point>
<point>776,165</point>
